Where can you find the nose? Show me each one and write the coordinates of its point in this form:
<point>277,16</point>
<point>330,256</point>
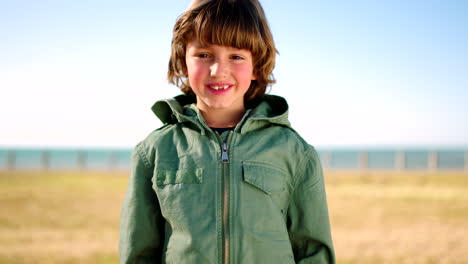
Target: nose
<point>218,68</point>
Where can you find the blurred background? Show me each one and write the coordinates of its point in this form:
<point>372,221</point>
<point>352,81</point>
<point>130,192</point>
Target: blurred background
<point>378,87</point>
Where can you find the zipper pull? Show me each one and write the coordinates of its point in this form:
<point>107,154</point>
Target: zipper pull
<point>224,153</point>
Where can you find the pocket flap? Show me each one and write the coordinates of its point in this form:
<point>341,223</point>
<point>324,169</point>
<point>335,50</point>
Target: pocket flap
<point>268,179</point>
<point>165,177</point>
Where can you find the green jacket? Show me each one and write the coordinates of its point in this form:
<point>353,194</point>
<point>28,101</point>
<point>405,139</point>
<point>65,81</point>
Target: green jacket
<point>252,195</point>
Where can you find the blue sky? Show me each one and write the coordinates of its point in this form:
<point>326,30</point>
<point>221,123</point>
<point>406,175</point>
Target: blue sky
<point>356,73</point>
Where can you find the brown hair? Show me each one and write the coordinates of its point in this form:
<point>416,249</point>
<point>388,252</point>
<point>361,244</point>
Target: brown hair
<point>236,23</point>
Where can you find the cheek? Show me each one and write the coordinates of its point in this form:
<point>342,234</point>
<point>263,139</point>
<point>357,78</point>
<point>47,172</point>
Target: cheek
<point>195,73</point>
<point>245,73</point>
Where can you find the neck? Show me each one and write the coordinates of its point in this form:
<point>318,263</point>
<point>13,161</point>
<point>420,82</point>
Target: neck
<point>221,118</point>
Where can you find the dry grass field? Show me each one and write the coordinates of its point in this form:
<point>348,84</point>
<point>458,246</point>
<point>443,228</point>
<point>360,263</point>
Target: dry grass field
<point>399,217</point>
<point>73,217</point>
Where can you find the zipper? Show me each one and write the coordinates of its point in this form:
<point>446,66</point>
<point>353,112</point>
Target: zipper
<point>225,197</point>
<point>224,153</point>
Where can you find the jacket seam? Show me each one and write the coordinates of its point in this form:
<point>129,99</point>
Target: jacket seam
<point>142,156</point>
<point>301,168</point>
<point>264,164</point>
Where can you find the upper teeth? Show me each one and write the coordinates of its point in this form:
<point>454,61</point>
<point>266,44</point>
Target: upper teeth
<point>219,87</point>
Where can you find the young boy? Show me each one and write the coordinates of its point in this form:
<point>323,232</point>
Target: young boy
<point>226,179</point>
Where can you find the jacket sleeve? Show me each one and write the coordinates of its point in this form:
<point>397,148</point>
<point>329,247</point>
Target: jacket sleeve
<point>141,224</point>
<point>308,220</point>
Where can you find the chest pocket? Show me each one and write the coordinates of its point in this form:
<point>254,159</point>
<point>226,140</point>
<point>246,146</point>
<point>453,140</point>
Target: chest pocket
<point>265,196</point>
<point>178,192</point>
<point>265,178</point>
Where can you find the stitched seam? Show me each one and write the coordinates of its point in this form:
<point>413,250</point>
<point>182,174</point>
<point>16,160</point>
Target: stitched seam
<point>142,156</point>
<point>264,164</point>
<point>300,168</point>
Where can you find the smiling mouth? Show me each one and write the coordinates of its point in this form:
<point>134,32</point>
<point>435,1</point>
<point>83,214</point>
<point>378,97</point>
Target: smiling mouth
<point>219,87</point>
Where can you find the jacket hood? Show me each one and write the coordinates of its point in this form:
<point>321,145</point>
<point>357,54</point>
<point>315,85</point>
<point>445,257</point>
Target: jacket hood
<point>269,109</point>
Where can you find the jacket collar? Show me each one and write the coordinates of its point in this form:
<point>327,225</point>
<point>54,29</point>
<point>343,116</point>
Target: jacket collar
<point>270,109</point>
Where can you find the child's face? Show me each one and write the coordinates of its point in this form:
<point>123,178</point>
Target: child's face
<point>219,75</point>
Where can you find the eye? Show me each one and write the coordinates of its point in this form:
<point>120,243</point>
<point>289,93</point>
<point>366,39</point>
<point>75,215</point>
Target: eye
<point>203,55</point>
<point>237,57</point>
